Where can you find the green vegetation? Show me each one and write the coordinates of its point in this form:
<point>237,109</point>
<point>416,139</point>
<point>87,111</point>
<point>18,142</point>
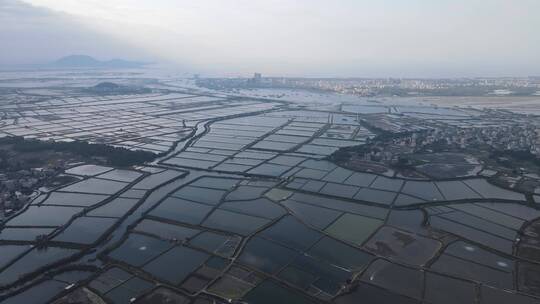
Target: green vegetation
<point>115,156</point>
<point>375,145</point>
<point>515,158</point>
<point>113,88</point>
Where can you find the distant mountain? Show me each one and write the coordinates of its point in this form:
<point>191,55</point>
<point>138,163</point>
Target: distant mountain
<point>107,86</point>
<point>85,61</point>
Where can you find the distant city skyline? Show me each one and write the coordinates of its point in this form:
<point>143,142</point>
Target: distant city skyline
<point>316,38</point>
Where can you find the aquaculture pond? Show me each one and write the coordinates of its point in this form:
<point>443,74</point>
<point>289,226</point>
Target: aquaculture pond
<point>252,210</point>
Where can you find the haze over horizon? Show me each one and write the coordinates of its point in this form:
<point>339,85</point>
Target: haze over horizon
<point>315,38</point>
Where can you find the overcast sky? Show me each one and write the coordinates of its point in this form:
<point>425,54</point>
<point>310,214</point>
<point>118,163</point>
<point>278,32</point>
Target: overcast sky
<point>364,38</point>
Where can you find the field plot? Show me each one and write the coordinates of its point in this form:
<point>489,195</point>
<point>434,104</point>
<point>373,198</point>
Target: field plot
<point>152,122</point>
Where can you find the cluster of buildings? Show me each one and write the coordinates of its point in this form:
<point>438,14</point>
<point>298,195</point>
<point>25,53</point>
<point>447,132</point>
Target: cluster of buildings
<point>499,133</point>
<point>517,138</point>
<point>16,188</point>
<point>378,86</point>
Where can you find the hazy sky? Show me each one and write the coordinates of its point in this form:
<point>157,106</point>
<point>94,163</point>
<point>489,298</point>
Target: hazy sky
<point>409,38</point>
